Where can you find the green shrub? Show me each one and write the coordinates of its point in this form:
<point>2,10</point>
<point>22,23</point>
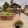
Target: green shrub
<point>19,23</point>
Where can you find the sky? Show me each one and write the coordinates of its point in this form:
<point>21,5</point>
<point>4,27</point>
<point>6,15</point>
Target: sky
<point>20,2</point>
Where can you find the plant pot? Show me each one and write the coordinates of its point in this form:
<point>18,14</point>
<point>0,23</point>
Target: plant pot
<point>17,26</point>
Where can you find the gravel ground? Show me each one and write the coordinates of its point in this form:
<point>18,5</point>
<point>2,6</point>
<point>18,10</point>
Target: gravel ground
<point>8,23</point>
<point>24,19</point>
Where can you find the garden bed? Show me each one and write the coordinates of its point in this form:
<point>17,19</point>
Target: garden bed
<point>8,16</point>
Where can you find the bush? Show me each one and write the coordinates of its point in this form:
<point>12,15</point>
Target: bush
<point>19,23</point>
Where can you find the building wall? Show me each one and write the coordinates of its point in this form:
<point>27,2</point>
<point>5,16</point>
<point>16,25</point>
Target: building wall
<point>26,10</point>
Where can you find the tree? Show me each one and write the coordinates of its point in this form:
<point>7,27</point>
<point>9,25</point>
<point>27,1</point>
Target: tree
<point>0,8</point>
<point>11,2</point>
<point>23,10</point>
<point>6,5</point>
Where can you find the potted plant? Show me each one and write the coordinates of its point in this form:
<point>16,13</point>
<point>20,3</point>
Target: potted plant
<point>19,24</point>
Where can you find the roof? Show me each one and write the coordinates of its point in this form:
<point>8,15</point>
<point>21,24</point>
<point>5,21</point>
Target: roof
<point>26,6</point>
<point>15,5</point>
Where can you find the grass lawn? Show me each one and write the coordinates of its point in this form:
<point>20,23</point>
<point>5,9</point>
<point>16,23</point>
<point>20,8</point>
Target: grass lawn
<point>6,14</point>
